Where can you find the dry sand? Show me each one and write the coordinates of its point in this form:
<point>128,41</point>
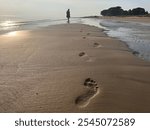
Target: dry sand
<point>71,68</point>
<point>128,19</point>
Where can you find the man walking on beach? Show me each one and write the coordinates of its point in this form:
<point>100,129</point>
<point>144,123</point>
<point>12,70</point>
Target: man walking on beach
<point>68,15</point>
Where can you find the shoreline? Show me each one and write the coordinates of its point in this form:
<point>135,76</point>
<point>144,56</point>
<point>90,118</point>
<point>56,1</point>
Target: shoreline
<point>71,68</point>
<point>140,19</point>
<point>135,37</point>
<point>135,53</point>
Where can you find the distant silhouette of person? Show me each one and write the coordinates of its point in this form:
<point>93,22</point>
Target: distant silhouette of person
<point>68,15</point>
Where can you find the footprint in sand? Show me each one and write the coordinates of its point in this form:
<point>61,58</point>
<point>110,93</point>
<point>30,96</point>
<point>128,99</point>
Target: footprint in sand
<point>93,89</point>
<point>88,34</point>
<point>86,57</point>
<point>97,45</point>
<point>84,37</point>
<point>82,54</point>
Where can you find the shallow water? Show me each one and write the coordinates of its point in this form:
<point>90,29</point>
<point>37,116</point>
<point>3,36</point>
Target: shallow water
<point>135,35</point>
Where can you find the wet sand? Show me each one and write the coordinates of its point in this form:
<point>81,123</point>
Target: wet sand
<point>71,68</point>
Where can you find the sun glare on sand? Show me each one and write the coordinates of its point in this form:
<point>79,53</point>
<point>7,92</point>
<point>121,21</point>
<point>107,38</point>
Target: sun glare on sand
<point>19,34</point>
<point>8,25</point>
<point>12,34</point>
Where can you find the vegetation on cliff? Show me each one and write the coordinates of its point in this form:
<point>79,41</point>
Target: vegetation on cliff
<point>118,11</point>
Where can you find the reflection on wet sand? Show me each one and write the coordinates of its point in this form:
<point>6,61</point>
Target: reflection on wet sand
<point>16,34</point>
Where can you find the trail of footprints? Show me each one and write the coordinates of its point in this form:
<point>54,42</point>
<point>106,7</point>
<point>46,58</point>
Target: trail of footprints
<point>90,84</point>
<point>83,54</point>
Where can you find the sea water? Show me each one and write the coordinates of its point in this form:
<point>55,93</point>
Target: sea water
<point>135,35</point>
<point>12,23</point>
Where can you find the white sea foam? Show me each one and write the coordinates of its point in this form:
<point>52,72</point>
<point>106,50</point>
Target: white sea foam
<point>136,35</point>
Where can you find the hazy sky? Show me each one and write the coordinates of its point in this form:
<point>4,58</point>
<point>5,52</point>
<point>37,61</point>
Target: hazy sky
<point>56,8</point>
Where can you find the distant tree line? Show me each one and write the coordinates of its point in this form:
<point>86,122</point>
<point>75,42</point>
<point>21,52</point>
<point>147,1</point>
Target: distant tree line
<point>118,11</point>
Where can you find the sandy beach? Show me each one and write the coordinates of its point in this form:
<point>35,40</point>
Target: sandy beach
<point>71,68</point>
<point>128,19</point>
